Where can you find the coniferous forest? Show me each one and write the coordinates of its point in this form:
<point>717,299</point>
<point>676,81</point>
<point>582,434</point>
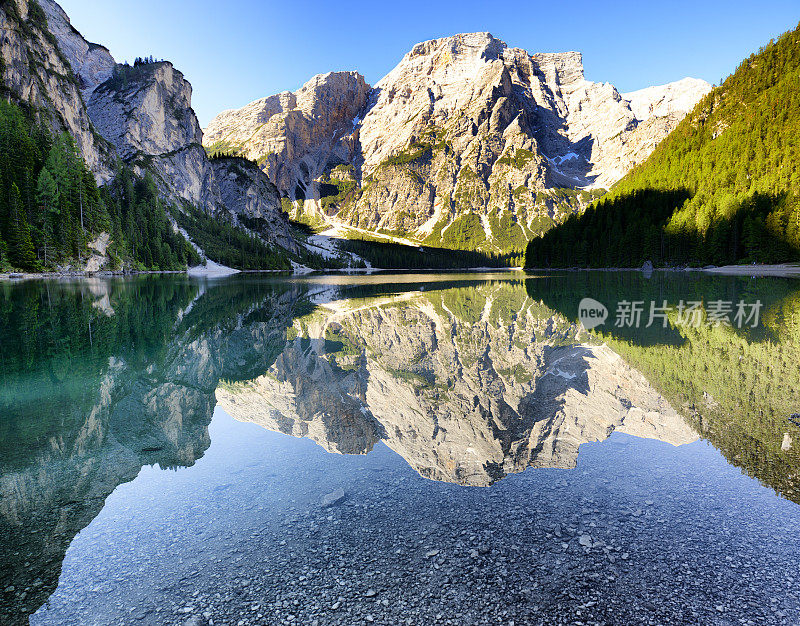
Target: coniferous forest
<point>722,188</point>
<point>388,255</point>
<point>51,207</point>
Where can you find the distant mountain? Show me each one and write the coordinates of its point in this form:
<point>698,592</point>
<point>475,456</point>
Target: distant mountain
<point>467,143</point>
<point>722,188</point>
<point>117,117</point>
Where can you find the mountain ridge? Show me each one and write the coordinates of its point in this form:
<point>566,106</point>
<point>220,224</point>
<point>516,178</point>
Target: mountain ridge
<point>465,133</point>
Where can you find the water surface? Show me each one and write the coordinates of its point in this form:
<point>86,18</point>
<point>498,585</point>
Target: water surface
<point>396,449</point>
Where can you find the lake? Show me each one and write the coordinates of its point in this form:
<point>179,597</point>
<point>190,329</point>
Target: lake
<point>400,449</point>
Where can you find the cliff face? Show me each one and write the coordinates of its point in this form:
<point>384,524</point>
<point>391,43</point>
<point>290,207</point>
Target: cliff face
<point>295,136</point>
<point>91,62</point>
<point>142,114</point>
<point>678,97</point>
<point>466,142</point>
<point>468,385</point>
<point>37,73</point>
<point>146,112</point>
<point>250,197</point>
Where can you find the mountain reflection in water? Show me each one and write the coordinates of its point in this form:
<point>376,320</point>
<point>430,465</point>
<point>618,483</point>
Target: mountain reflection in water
<point>466,384</point>
<point>468,378</point>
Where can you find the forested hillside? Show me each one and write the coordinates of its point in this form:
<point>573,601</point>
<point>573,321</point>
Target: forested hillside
<point>51,207</point>
<point>396,256</point>
<point>721,188</point>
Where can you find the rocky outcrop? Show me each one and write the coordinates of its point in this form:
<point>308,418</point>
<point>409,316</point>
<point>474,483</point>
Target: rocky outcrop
<point>36,72</point>
<point>468,385</point>
<point>91,62</point>
<point>253,200</point>
<point>146,112</point>
<point>146,109</point>
<point>467,142</point>
<point>663,100</point>
<point>141,114</point>
<point>295,136</point>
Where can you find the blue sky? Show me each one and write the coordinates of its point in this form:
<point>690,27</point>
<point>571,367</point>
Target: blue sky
<point>236,51</point>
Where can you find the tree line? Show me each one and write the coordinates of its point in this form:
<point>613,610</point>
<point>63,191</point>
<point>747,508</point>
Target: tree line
<point>51,206</point>
<point>388,255</point>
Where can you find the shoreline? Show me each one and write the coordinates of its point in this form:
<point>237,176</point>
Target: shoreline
<point>781,270</point>
<point>23,276</point>
<point>785,270</point>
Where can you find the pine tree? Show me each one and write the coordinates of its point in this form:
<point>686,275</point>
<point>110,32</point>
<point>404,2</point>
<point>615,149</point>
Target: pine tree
<point>20,244</point>
<point>48,199</point>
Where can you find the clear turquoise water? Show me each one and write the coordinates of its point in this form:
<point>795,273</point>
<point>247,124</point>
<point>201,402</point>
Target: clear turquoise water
<point>167,447</point>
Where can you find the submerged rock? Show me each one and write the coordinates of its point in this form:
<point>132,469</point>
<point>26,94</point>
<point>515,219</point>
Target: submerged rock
<point>333,498</point>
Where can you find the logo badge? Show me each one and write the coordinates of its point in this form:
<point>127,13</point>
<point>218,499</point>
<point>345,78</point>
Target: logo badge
<point>592,313</point>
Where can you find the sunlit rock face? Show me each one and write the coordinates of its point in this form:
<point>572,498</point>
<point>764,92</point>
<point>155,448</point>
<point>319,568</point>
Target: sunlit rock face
<point>464,125</point>
<point>294,135</point>
<point>468,385</point>
<point>141,115</point>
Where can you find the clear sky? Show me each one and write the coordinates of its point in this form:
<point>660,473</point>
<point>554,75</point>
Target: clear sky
<point>235,51</point>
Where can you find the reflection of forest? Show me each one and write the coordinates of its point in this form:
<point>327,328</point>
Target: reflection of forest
<point>736,387</point>
<point>98,379</point>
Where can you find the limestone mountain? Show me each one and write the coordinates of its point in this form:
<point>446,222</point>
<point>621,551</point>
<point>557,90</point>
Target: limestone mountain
<point>466,143</point>
<point>138,116</point>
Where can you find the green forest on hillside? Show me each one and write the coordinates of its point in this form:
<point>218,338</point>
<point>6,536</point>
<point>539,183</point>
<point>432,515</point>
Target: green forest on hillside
<point>388,255</point>
<point>723,187</point>
<point>51,207</point>
<point>225,243</point>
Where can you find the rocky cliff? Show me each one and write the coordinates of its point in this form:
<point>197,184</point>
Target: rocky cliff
<point>297,134</point>
<point>146,112</point>
<point>468,385</point>
<point>466,143</point>
<point>252,200</point>
<point>141,114</point>
<point>37,73</point>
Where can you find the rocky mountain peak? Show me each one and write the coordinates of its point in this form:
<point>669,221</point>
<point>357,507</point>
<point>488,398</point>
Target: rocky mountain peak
<point>293,133</point>
<point>466,142</point>
<point>335,92</point>
<point>146,108</point>
<point>468,46</point>
<point>678,97</point>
